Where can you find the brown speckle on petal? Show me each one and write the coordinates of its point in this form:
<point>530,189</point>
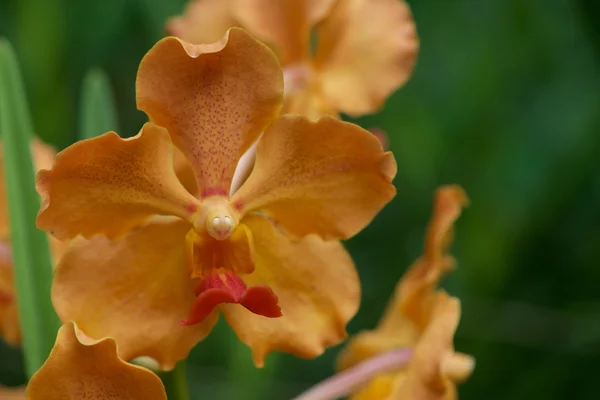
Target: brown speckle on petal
<point>91,371</point>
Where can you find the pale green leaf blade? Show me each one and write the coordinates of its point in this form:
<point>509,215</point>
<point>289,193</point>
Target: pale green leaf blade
<point>98,112</point>
<point>30,250</point>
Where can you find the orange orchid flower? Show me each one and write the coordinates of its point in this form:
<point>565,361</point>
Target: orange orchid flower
<point>419,317</point>
<point>82,368</point>
<point>366,49</point>
<point>10,329</point>
<point>269,247</point>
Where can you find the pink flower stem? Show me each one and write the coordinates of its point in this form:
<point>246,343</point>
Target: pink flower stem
<point>345,382</point>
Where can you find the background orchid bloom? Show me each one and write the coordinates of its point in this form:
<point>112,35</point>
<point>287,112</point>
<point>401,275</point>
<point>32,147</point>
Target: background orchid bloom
<point>265,248</point>
<point>10,330</point>
<point>366,49</point>
<point>420,317</point>
<point>82,368</point>
<point>12,393</point>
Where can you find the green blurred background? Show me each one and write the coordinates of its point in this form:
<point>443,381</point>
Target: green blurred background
<point>505,100</point>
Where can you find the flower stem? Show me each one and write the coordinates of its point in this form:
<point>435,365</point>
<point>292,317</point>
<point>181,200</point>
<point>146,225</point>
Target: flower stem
<point>345,382</point>
<point>175,382</point>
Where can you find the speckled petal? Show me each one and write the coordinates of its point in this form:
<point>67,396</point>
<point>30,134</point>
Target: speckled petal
<point>214,99</point>
<point>81,369</point>
<point>184,172</point>
<point>317,287</point>
<point>135,290</point>
<point>108,185</point>
<point>326,177</point>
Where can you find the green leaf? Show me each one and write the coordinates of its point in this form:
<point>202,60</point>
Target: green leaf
<point>97,110</point>
<point>30,250</point>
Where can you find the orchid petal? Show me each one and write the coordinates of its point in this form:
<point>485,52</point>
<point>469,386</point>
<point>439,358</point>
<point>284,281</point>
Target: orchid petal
<point>214,99</point>
<point>317,287</point>
<point>367,49</point>
<point>285,24</point>
<point>135,290</point>
<point>326,177</point>
<point>80,368</point>
<point>109,185</point>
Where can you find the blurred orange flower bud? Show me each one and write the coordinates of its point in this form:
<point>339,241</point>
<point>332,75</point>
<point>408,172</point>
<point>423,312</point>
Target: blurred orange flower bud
<point>420,317</point>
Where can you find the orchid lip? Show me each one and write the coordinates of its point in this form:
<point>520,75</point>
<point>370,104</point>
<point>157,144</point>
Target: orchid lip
<point>222,286</point>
